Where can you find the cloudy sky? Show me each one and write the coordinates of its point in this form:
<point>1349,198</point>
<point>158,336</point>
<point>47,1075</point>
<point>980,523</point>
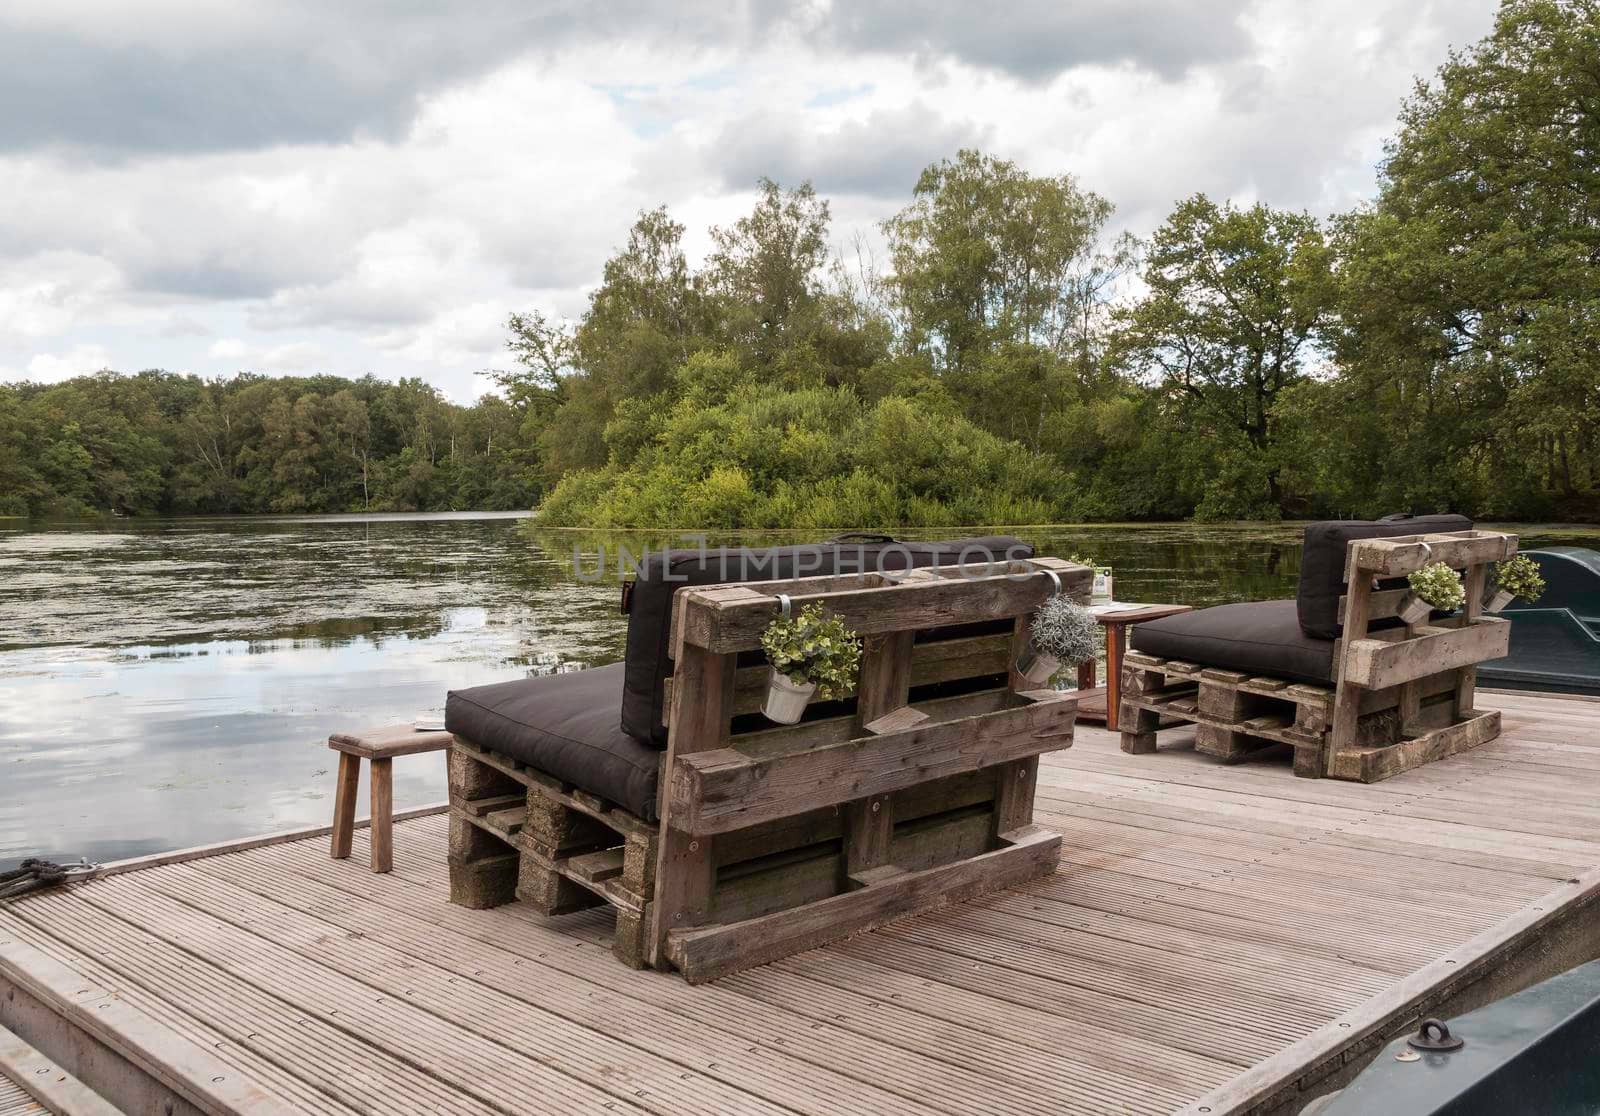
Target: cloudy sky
<point>372,185</point>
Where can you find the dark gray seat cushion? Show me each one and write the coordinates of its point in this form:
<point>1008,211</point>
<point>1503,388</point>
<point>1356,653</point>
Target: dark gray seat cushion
<point>663,573</point>
<point>1322,557</point>
<point>564,725</point>
<point>1256,637</point>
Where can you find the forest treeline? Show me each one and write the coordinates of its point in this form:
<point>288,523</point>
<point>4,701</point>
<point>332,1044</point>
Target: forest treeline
<point>1006,362</point>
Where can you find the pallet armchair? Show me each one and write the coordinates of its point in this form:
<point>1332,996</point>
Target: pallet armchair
<point>1354,691</point>
<point>763,840</point>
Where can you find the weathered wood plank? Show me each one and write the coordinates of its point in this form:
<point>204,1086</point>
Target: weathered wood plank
<point>725,622</point>
<point>722,789</point>
<point>937,661</point>
<point>701,715</point>
<point>1371,764</point>
<point>1376,665</point>
<point>1396,557</point>
<point>711,952</point>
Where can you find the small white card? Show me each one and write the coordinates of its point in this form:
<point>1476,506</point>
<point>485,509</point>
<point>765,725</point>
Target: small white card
<point>1101,593</point>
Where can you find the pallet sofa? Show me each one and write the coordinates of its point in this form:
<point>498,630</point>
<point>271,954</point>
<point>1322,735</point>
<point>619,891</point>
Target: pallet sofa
<point>722,840</point>
<point>1356,693</point>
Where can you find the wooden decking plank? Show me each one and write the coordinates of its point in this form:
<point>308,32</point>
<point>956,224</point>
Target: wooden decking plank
<point>1149,966</point>
<point>1240,1012</point>
<point>1411,843</point>
<point>1084,1038</point>
<point>473,1065</point>
<point>947,1082</point>
<point>474,1005</point>
<point>1099,846</point>
<point>1285,966</point>
<point>1050,1082</point>
<point>230,1040</point>
<point>1101,895</point>
<point>46,1082</point>
<point>879,1028</point>
<point>1333,873</point>
<point>143,965</point>
<point>15,1102</point>
<point>708,1006</point>
<point>1030,988</point>
<point>598,1005</point>
<point>1285,876</point>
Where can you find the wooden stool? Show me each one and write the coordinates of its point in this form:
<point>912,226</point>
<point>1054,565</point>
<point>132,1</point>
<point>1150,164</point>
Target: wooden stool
<point>380,745</point>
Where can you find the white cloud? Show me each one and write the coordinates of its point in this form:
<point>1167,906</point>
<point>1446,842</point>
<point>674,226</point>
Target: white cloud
<point>49,368</point>
<point>462,172</point>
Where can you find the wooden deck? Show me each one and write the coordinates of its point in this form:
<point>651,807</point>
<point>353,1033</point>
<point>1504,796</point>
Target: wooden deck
<point>1212,933</point>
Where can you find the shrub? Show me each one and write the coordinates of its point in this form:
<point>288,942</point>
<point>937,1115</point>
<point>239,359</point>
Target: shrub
<point>1520,577</point>
<point>1439,585</point>
<point>1065,630</point>
<point>812,648</point>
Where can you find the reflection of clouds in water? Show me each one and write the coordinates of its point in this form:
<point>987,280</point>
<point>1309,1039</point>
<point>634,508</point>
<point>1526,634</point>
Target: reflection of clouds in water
<point>182,692</point>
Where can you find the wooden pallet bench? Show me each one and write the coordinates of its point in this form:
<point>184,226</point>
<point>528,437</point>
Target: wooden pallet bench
<point>774,839</point>
<point>1401,696</point>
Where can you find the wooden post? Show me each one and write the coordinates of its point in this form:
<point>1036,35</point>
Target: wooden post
<point>382,814</point>
<point>1467,676</point>
<point>1219,696</point>
<point>885,685</point>
<point>344,804</point>
<point>702,706</point>
<point>1015,781</point>
<point>1116,647</point>
<point>1347,695</point>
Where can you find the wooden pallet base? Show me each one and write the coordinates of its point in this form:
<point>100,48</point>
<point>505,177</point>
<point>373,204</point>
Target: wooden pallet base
<point>1237,716</point>
<point>776,888</point>
<point>516,833</point>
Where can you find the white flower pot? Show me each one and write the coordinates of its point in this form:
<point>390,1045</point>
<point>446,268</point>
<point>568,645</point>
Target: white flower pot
<point>1037,667</point>
<point>1413,609</point>
<point>1499,600</point>
<point>786,698</point>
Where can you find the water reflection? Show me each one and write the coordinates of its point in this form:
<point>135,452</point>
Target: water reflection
<point>172,683</point>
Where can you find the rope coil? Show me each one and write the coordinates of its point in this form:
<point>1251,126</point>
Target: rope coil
<point>35,874</point>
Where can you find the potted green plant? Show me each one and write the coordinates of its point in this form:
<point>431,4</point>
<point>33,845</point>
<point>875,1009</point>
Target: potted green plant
<point>1513,578</point>
<point>811,655</point>
<point>1434,586</point>
<point>1061,633</point>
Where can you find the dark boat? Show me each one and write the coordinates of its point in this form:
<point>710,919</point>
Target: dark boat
<point>1534,1052</point>
<point>1555,643</point>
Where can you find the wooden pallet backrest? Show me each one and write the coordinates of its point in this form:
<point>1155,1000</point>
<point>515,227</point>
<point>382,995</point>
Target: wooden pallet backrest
<point>1414,659</point>
<point>840,775</point>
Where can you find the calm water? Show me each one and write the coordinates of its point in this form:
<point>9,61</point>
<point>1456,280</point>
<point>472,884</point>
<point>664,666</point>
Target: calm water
<point>173,683</point>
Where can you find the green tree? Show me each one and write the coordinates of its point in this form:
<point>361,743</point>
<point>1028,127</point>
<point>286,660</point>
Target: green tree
<point>1234,300</point>
<point>988,254</point>
<point>1470,292</point>
<point>766,269</point>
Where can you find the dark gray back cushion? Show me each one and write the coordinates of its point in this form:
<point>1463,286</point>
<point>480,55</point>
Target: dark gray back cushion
<point>1322,561</point>
<point>650,598</point>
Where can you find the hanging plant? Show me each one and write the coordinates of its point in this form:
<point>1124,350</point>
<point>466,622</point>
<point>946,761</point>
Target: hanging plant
<point>1513,578</point>
<point>1434,586</point>
<point>811,655</point>
<point>1061,633</point>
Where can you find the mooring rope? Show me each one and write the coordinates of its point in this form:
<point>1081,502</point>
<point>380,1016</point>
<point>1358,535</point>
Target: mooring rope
<point>34,874</point>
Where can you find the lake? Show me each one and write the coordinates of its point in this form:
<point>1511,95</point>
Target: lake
<point>167,683</point>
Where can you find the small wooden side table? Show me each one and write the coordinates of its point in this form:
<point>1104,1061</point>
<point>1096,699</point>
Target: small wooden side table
<point>380,745</point>
<point>1099,703</point>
